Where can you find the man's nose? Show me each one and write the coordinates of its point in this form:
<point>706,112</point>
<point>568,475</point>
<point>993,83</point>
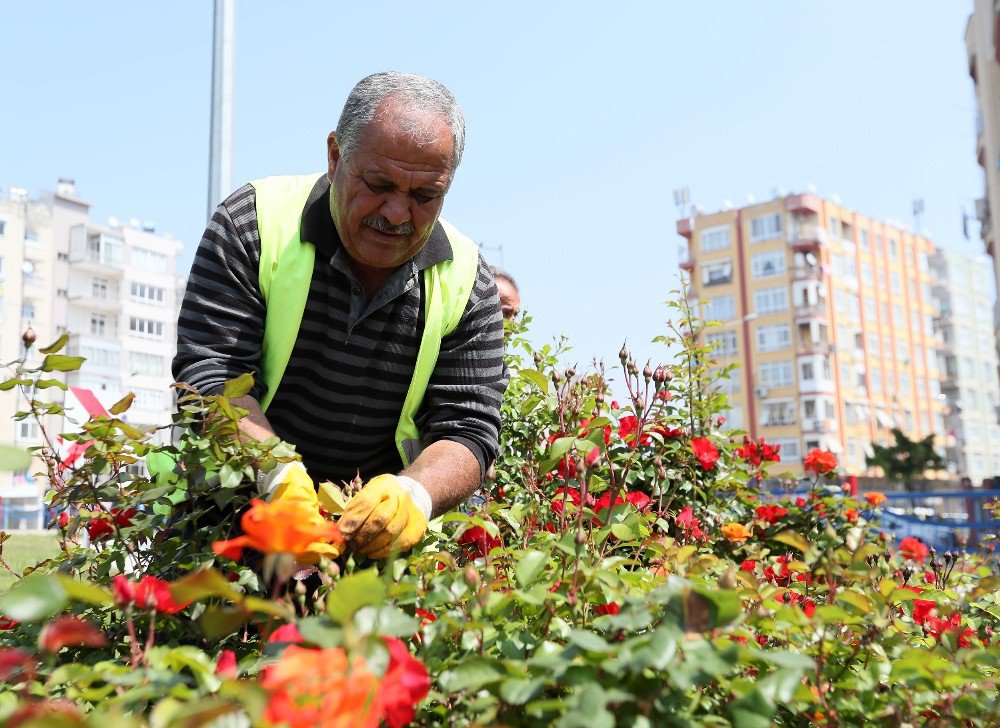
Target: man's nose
<point>396,208</point>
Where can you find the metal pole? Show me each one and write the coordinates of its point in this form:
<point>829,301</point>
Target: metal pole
<point>220,154</point>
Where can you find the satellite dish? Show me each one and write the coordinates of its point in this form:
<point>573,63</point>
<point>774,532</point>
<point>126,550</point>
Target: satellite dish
<point>27,267</point>
<point>134,222</point>
<point>811,259</point>
<point>113,222</point>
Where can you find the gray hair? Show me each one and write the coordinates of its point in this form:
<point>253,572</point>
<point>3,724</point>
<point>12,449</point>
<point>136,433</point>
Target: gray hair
<point>418,92</point>
<point>501,273</point>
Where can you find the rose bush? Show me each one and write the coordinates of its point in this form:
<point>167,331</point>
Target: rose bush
<point>622,567</point>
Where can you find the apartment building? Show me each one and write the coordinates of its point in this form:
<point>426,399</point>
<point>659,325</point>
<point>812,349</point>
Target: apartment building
<point>112,286</point>
<point>983,46</point>
<point>965,295</point>
<point>830,316</point>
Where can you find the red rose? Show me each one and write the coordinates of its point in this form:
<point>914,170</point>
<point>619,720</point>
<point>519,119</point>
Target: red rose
<point>16,666</point>
<point>69,631</point>
<point>478,543</point>
<point>406,682</point>
<point>914,549</point>
<point>705,451</point>
<point>922,609</point>
<point>225,666</point>
<point>748,565</point>
<point>609,608</point>
<point>63,520</point>
<point>287,633</point>
<point>640,500</point>
<point>770,513</point>
<point>820,462</point>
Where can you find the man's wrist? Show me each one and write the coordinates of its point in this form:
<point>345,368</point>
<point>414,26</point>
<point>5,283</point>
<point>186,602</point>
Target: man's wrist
<point>418,494</point>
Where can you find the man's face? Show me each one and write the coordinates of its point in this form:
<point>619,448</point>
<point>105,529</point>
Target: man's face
<point>386,197</point>
<point>510,299</point>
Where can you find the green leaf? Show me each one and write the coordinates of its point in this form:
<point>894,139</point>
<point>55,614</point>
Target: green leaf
<point>84,591</point>
<point>46,383</point>
<point>472,674</point>
<point>588,641</point>
<point>535,377</point>
<point>353,592</point>
<point>793,539</point>
<point>123,404</point>
<point>11,383</point>
<point>58,363</point>
<point>33,598</point>
<point>855,599</point>
<point>14,458</point>
<point>238,387</point>
<point>201,584</point>
<point>519,690</point>
<point>57,344</point>
<point>219,621</point>
<point>529,566</point>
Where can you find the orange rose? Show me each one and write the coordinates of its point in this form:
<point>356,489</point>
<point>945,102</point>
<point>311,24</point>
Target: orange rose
<point>320,688</point>
<point>736,532</point>
<point>851,515</point>
<point>288,526</point>
<point>874,497</point>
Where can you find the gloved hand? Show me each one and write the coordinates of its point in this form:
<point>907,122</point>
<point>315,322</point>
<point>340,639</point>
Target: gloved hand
<point>389,514</point>
<point>287,480</point>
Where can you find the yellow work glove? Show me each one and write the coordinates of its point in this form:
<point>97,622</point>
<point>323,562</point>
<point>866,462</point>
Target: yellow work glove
<point>287,480</point>
<point>389,514</point>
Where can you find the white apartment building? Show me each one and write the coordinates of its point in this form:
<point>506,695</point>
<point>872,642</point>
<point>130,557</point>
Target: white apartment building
<point>965,295</point>
<point>112,286</point>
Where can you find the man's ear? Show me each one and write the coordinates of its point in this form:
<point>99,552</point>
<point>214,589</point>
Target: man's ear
<point>332,155</point>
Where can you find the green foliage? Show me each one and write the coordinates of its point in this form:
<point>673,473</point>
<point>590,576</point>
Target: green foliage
<point>905,459</point>
<point>591,582</point>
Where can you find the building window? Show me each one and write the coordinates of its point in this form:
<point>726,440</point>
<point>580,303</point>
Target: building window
<point>867,275</point>
<point>871,309</point>
<point>28,312</point>
<point>99,287</point>
<point>864,241</point>
<point>28,429</point>
<point>778,413</point>
<point>149,399</point>
<point>98,324</point>
<point>720,308</point>
<point>148,364</point>
<point>715,238</point>
<point>789,447</point>
<point>148,260</point>
<point>770,300</point>
<point>147,293</point>
<point>3,227</point>
<point>712,274</point>
<point>768,264</point>
<point>776,374</point>
<point>774,338</point>
<point>99,356</point>
<point>723,343</point>
<point>145,328</point>
<point>766,227</point>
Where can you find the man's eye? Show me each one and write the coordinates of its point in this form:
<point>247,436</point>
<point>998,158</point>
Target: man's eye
<point>424,197</point>
<point>377,189</point>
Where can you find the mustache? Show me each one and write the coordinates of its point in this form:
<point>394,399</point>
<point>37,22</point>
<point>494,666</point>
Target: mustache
<point>379,223</point>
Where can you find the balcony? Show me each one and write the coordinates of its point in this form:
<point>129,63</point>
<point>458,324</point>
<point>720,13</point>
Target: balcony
<point>807,237</point>
<point>106,299</point>
<point>684,259</point>
<point>811,311</point>
<point>819,425</point>
<point>110,266</point>
<point>685,227</point>
<point>808,272</point>
<point>803,204</point>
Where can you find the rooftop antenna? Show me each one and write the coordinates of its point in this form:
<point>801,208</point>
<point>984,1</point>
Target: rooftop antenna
<point>498,248</point>
<point>220,152</point>
<point>682,199</point>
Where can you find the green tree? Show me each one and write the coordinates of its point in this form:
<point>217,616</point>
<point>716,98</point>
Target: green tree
<point>905,459</point>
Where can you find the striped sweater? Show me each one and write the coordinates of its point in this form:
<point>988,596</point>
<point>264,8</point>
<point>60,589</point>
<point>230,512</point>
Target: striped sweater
<point>340,397</point>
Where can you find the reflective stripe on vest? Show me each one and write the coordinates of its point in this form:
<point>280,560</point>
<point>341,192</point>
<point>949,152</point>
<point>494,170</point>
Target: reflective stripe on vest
<point>286,267</point>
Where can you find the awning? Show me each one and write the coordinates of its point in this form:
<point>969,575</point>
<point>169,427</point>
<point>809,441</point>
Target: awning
<point>89,402</point>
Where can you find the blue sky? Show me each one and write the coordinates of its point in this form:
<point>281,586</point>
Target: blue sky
<point>582,120</point>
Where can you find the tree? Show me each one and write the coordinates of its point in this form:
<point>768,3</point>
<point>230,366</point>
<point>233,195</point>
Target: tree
<point>905,459</point>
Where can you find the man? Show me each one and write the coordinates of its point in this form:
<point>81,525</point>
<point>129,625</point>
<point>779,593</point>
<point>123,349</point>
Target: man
<point>379,321</point>
<point>510,296</point>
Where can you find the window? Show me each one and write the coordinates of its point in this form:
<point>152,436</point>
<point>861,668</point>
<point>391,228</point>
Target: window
<point>31,236</point>
<point>145,328</point>
<point>771,300</point>
<point>28,429</point>
<point>715,238</point>
<point>148,260</point>
<point>98,324</point>
<point>867,275</point>
<point>807,372</point>
<point>99,356</point>
<point>768,264</point>
<point>835,230</point>
<point>809,408</point>
<point>778,413</point>
<point>150,364</point>
<point>28,311</point>
<point>893,249</point>
<point>712,274</point>
<point>720,308</point>
<point>149,399</point>
<point>789,447</point>
<point>864,241</point>
<point>99,287</point>
<point>3,226</point>
<point>871,309</point>
<point>902,350</point>
<point>146,293</point>
<point>766,227</point>
<point>723,343</point>
<point>774,338</point>
<point>895,282</point>
<point>776,374</point>
<point>875,380</point>
<point>873,347</point>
